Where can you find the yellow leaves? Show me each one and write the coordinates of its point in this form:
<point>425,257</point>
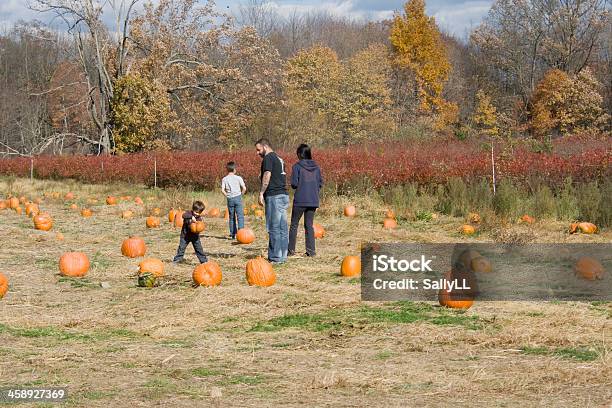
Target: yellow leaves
<point>485,115</point>
<point>565,104</point>
<point>418,47</point>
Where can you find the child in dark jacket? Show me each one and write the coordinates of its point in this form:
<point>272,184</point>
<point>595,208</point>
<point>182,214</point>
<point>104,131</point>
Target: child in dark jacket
<point>306,180</point>
<point>188,237</point>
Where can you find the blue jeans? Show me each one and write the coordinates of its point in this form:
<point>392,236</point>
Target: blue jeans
<point>276,224</point>
<point>236,212</point>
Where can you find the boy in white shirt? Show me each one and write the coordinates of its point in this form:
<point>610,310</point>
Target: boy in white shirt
<point>233,187</point>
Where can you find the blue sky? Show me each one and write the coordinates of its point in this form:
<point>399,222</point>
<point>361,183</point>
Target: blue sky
<point>455,16</point>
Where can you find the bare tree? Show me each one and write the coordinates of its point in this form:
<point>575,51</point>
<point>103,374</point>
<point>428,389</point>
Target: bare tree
<point>102,53</point>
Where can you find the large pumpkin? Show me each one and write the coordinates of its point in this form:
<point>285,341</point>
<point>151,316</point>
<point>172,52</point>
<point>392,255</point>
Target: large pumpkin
<point>259,272</point>
<point>74,264</point>
<point>73,206</point>
<point>151,265</point>
<point>351,266</point>
<point>350,211</point>
<point>454,301</point>
<point>86,212</point>
<point>43,222</point>
<point>319,231</point>
<point>389,223</point>
<point>207,274</point>
<point>110,200</point>
<point>133,247</point>
<point>214,212</point>
<point>3,285</point>
<point>589,268</point>
<point>197,227</point>
<point>245,236</point>
<point>153,222</point>
<point>468,230</point>
<point>584,227</point>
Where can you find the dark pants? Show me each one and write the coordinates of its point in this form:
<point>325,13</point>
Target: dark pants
<point>197,246</point>
<point>296,215</point>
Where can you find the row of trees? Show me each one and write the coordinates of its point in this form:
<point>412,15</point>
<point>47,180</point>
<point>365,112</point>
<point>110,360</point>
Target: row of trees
<point>177,74</point>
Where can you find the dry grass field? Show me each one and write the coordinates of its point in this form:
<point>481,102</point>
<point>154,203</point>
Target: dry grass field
<point>306,341</point>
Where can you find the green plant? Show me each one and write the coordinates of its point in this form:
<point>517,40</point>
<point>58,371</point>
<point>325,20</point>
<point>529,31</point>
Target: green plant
<point>589,201</point>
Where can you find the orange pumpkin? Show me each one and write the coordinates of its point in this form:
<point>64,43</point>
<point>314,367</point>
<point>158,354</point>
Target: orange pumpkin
<point>43,222</point>
<point>75,264</point>
<point>197,227</point>
<point>259,272</point>
<point>351,266</point>
<point>245,236</point>
<point>31,208</point>
<point>214,212</point>
<point>13,202</point>
<point>74,207</point>
<point>110,200</point>
<point>138,201</point>
<point>86,212</point>
<point>389,223</point>
<point>207,274</point>
<point>152,265</point>
<point>153,222</point>
<point>3,205</point>
<point>127,214</point>
<point>69,196</point>
<point>589,268</point>
<point>178,219</point>
<point>468,229</point>
<point>527,219</point>
<point>454,301</point>
<point>319,231</point>
<point>133,247</point>
<point>584,227</point>
<point>3,285</point>
<point>171,215</point>
<point>18,210</point>
<point>350,211</point>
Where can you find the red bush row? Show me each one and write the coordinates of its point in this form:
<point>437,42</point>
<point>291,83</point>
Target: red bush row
<point>376,166</point>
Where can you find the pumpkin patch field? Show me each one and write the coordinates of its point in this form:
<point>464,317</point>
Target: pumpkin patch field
<point>91,301</point>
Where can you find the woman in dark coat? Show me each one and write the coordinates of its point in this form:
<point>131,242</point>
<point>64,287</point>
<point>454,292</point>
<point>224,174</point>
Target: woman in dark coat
<point>306,180</point>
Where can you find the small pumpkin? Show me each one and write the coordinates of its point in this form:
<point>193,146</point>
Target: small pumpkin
<point>526,218</point>
<point>69,196</point>
<point>468,229</point>
<point>389,223</point>
<point>3,285</point>
<point>349,211</point>
<point>43,222</point>
<point>147,280</point>
<point>13,202</point>
<point>245,236</point>
<point>351,266</point>
<point>153,222</point>
<point>214,212</point>
<point>259,272</point>
<point>207,274</point>
<point>583,227</point>
<point>151,265</point>
<point>138,201</point>
<point>111,200</point>
<point>127,214</point>
<point>197,227</point>
<point>171,215</point>
<point>178,219</point>
<point>319,231</point>
<point>589,268</point>
<point>133,247</point>
<point>86,212</point>
<point>74,207</point>
<point>75,264</point>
